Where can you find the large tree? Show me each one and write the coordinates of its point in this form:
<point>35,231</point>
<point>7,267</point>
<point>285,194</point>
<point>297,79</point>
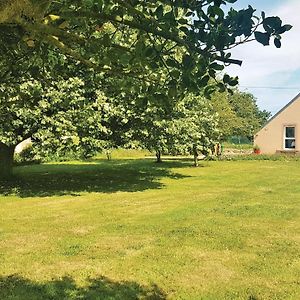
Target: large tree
<point>56,114</point>
<point>160,49</point>
<point>189,127</point>
<point>140,118</point>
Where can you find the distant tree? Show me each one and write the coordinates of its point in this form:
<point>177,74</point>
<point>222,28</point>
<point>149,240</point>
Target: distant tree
<point>263,116</point>
<point>188,128</point>
<point>197,129</point>
<point>228,121</point>
<point>238,113</point>
<point>250,116</point>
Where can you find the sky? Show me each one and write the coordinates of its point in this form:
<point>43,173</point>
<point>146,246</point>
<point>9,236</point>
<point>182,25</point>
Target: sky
<point>272,75</point>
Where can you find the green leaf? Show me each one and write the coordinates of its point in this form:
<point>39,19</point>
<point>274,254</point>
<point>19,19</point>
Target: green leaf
<point>226,78</point>
<point>217,67</point>
<point>184,29</point>
<point>263,38</point>
<point>221,87</point>
<point>284,28</point>
<point>209,90</point>
<point>159,12</point>
<point>175,74</point>
<point>172,91</point>
<point>234,81</point>
<point>188,62</point>
<point>277,43</point>
<point>172,63</point>
<point>190,14</point>
<point>203,81</point>
<point>212,73</point>
<point>216,11</point>
<point>287,27</point>
<point>150,52</point>
<point>182,21</point>
<point>272,24</point>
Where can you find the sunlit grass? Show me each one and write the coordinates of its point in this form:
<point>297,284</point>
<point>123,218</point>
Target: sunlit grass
<point>227,146</point>
<point>124,153</point>
<point>133,229</point>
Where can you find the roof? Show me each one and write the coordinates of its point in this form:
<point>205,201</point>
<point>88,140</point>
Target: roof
<point>279,112</point>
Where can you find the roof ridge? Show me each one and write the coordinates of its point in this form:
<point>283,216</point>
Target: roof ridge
<point>280,111</point>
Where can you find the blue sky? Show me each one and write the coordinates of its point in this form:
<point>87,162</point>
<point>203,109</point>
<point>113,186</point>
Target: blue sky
<point>258,4</point>
<point>271,74</point>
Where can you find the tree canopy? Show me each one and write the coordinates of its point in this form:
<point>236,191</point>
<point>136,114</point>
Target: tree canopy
<point>191,39</point>
<point>238,114</point>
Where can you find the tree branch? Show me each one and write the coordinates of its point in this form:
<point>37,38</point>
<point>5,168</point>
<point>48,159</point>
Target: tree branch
<point>148,27</point>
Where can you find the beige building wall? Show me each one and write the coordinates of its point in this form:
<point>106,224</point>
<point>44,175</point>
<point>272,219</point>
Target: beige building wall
<point>271,138</point>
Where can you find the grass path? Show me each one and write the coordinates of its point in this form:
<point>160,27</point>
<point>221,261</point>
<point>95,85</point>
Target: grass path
<point>132,229</point>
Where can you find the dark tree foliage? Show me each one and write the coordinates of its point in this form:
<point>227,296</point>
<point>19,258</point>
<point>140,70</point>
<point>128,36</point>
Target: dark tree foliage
<point>191,39</point>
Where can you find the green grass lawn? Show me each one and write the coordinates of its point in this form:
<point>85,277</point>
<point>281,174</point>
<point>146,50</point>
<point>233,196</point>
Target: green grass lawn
<point>133,229</point>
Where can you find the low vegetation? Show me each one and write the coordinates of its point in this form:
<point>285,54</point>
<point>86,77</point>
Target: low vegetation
<point>133,229</point>
<point>260,157</point>
<point>228,146</point>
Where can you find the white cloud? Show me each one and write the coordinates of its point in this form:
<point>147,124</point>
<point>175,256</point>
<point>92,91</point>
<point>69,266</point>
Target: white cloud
<point>269,66</point>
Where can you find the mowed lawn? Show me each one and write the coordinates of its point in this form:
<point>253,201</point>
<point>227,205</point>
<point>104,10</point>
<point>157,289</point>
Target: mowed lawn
<point>133,229</point>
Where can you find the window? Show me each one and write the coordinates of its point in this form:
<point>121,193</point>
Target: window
<point>289,138</point>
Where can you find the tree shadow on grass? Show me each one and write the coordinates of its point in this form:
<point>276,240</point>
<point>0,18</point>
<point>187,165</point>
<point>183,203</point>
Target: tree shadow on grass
<point>16,287</point>
<point>94,176</point>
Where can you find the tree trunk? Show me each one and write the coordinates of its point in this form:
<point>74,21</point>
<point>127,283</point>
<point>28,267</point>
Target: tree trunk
<point>6,160</point>
<point>108,154</point>
<point>158,156</point>
<point>196,154</point>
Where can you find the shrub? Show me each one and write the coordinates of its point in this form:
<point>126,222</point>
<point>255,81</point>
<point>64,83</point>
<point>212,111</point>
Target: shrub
<point>27,156</point>
<point>274,157</point>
